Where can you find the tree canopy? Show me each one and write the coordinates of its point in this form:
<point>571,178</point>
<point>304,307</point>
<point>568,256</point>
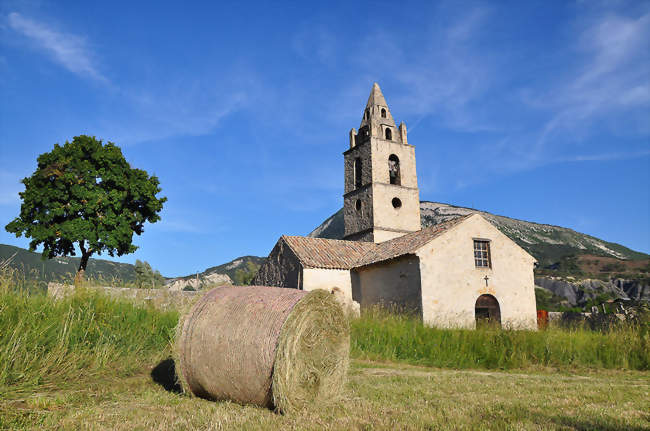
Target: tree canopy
<point>85,193</point>
<point>245,276</point>
<point>147,277</point>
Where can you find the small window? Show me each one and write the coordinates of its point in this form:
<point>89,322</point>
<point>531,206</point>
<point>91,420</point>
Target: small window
<point>389,134</point>
<point>367,114</point>
<point>396,203</point>
<point>357,173</point>
<point>357,205</point>
<point>482,254</point>
<point>383,113</point>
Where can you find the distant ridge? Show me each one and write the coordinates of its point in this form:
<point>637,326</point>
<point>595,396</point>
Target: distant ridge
<point>547,243</point>
<point>64,268</point>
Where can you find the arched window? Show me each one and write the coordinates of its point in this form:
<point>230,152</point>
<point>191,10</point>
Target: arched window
<point>357,205</point>
<point>357,173</point>
<point>383,113</point>
<point>389,134</point>
<point>393,170</point>
<point>367,114</point>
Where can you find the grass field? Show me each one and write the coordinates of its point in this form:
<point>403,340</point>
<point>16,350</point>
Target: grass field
<point>86,363</point>
<point>378,396</point>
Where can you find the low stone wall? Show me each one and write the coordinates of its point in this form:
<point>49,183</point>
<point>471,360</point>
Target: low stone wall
<point>163,299</point>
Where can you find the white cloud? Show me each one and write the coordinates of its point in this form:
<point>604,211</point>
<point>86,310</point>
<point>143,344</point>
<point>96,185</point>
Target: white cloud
<point>446,78</point>
<point>149,109</point>
<point>605,156</point>
<point>69,50</point>
<point>613,79</point>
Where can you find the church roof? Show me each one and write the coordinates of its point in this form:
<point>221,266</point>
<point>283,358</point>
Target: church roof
<point>407,244</point>
<point>327,253</point>
<point>341,254</point>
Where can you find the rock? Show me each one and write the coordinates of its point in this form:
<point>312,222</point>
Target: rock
<point>634,289</point>
<point>198,283</point>
<point>578,293</point>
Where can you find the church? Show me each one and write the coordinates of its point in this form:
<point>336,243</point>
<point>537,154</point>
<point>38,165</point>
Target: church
<point>454,274</point>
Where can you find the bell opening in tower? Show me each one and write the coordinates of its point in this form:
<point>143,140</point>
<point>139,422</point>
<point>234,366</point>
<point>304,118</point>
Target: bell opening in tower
<point>393,170</point>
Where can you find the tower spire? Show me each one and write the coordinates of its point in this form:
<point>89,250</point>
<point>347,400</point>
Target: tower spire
<point>376,112</point>
<point>376,96</point>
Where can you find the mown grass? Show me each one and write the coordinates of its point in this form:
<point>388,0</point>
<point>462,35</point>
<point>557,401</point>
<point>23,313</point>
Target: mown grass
<point>377,397</point>
<point>43,341</point>
<point>380,335</point>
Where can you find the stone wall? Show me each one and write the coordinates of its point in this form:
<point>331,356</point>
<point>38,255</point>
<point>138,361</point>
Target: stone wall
<point>376,194</point>
<point>451,283</point>
<point>393,283</point>
<point>335,281</point>
<point>163,299</point>
<point>281,269</point>
<point>320,278</point>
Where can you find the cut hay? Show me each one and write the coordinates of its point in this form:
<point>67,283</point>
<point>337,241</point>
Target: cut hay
<point>273,347</point>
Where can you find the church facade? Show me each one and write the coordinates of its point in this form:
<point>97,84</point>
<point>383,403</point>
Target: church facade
<point>454,274</point>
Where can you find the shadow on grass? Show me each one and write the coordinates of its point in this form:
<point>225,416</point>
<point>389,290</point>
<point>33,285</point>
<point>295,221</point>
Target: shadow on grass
<point>165,375</point>
<point>507,416</point>
<point>604,424</point>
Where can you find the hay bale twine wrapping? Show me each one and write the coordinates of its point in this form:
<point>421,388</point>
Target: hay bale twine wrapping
<point>273,347</point>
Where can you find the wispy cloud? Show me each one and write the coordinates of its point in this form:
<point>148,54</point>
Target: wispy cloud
<point>69,50</point>
<point>446,78</point>
<point>612,81</point>
<point>148,109</point>
<point>605,157</point>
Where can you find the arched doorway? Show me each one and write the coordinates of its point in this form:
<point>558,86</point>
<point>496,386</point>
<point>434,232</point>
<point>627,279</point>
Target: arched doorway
<point>487,311</point>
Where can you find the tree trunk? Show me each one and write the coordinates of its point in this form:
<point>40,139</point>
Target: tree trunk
<point>80,278</point>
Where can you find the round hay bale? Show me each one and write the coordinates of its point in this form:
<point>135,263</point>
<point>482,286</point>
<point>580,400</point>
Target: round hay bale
<point>273,347</point>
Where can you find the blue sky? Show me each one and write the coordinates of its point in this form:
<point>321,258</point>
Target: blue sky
<point>534,110</point>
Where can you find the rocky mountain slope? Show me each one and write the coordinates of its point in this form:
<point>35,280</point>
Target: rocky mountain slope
<point>226,273</point>
<point>545,242</point>
<point>567,293</point>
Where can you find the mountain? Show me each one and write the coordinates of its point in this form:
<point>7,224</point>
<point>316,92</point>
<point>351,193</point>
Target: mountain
<point>547,243</point>
<point>232,272</point>
<point>575,269</point>
<point>231,268</point>
<point>33,266</point>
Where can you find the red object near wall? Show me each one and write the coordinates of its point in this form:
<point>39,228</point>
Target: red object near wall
<point>542,319</point>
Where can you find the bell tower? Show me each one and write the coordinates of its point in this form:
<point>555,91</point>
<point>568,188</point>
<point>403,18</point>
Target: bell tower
<point>381,199</point>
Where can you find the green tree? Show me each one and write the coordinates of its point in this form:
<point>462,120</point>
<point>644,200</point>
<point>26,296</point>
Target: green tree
<point>85,193</point>
<point>244,277</point>
<point>146,277</point>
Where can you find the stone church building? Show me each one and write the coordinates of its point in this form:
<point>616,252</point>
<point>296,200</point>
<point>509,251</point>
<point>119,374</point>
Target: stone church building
<point>453,274</point>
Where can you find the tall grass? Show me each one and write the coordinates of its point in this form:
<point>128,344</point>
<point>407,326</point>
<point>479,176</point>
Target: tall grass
<point>48,342</point>
<point>45,341</point>
<point>380,335</point>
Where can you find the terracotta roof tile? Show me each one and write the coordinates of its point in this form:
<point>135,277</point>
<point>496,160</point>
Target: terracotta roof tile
<point>327,253</point>
<point>340,254</point>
